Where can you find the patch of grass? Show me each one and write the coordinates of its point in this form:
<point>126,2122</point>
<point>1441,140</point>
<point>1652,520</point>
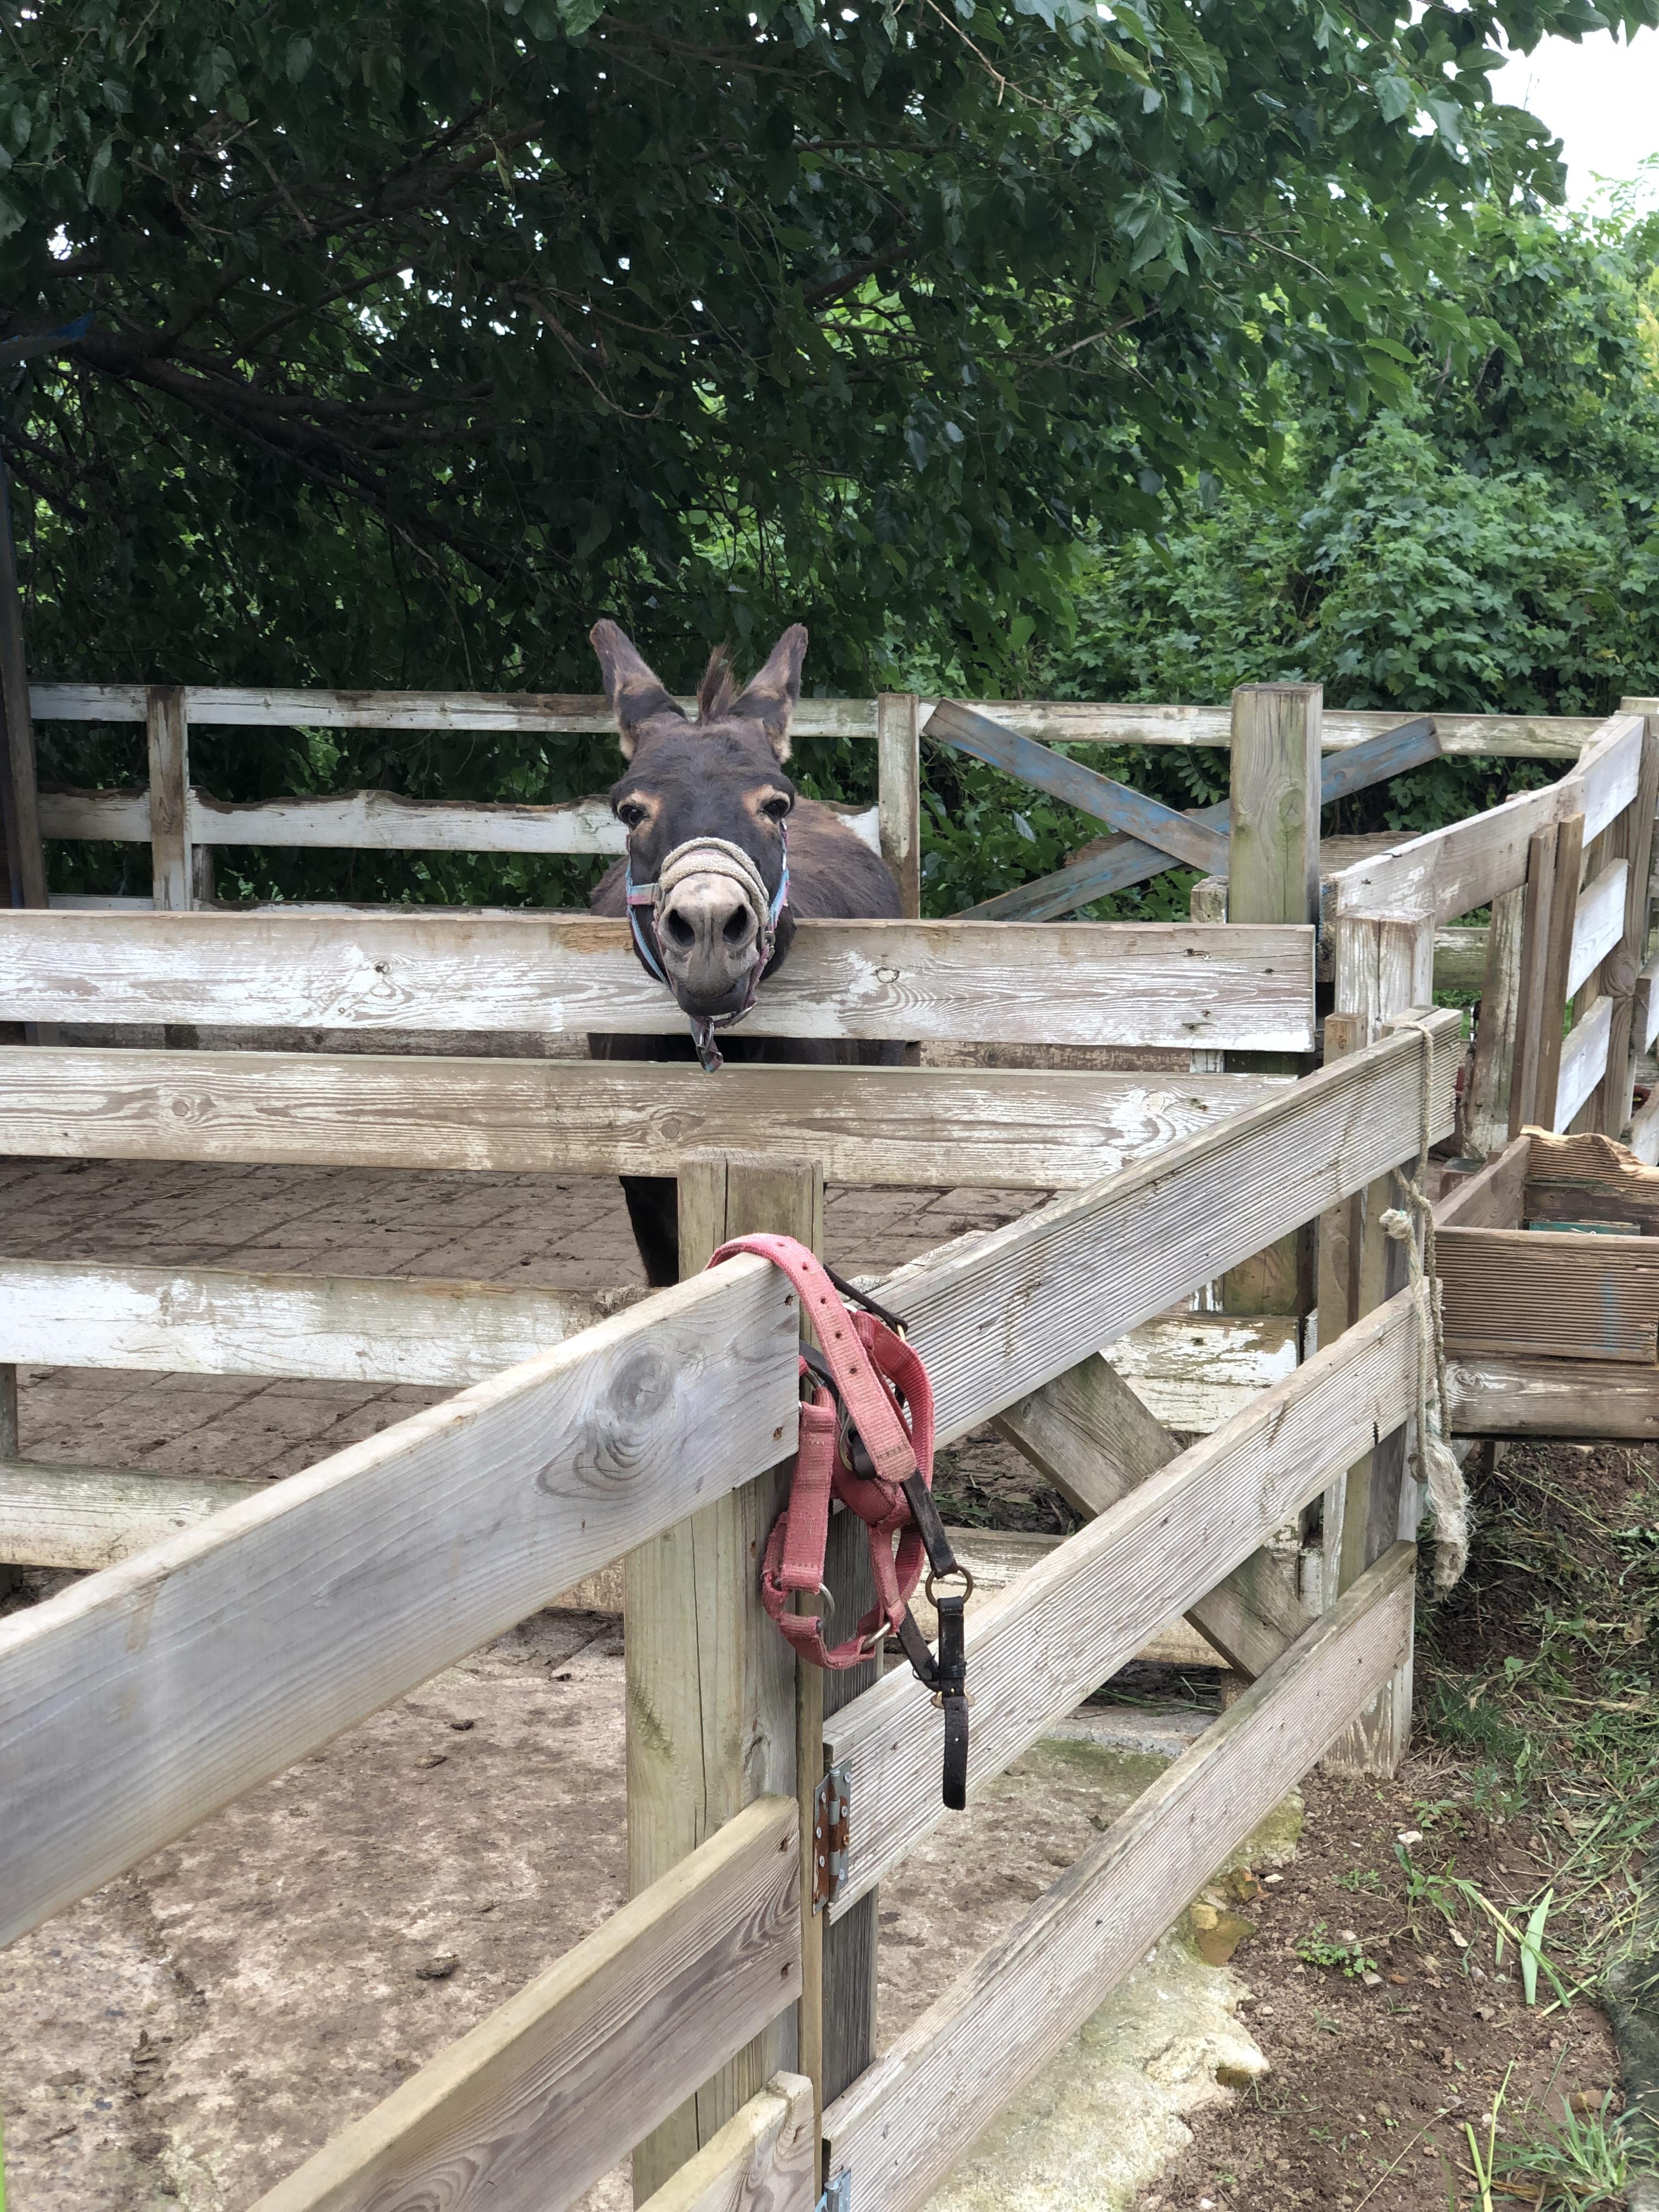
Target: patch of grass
<point>1588,2159</point>
<point>1541,1670</point>
<point>1319,1947</point>
<point>1358,1878</point>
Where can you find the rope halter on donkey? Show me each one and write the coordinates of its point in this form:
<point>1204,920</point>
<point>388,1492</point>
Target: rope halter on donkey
<point>710,856</point>
<point>1438,1472</point>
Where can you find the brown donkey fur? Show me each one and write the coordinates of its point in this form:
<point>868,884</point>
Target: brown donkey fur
<point>722,776</point>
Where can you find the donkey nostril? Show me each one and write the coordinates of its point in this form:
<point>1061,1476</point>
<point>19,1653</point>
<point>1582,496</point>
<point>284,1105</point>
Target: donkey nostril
<point>737,926</point>
<point>679,929</point>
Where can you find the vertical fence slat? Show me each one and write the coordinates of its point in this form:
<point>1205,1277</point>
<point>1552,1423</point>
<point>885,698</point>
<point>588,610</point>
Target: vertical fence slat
<point>169,728</point>
<point>1558,953</point>
<point>1609,1105</point>
<point>712,1718</point>
<point>1486,1119</point>
<point>898,771</point>
<point>1384,967</point>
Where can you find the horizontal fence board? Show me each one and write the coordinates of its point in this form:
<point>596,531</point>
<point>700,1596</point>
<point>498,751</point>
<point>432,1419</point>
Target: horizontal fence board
<point>1467,865</point>
<point>1551,1293</point>
<point>1514,737</point>
<point>385,821</point>
<point>1035,1127</point>
<point>527,2111</point>
<point>1038,1649</point>
<point>907,2120</point>
<point>765,2159</point>
<point>96,816</point>
<point>1498,1394</point>
<point>1196,1371</point>
<point>1174,984</point>
<point>224,1321</point>
<point>1583,1061</point>
<point>87,1517</point>
<point>1598,924</point>
<point>144,1697</point>
<point>998,1314</point>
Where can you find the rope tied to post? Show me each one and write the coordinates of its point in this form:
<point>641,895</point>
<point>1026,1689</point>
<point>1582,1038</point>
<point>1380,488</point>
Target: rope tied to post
<point>1437,1469</point>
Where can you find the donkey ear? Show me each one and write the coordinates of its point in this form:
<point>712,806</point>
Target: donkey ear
<point>771,697</point>
<point>636,691</point>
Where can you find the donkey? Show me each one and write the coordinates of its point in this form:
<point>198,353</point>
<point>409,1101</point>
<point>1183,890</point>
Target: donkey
<point>724,857</point>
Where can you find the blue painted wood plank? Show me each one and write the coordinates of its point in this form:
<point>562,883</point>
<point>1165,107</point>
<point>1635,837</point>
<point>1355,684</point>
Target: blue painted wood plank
<point>1122,862</point>
<point>1145,819</point>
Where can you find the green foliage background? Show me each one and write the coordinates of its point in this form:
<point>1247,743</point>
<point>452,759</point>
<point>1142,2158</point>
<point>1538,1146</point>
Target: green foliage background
<point>1013,344</point>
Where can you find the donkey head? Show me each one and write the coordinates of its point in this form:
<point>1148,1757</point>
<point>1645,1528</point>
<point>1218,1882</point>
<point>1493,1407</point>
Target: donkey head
<point>712,784</point>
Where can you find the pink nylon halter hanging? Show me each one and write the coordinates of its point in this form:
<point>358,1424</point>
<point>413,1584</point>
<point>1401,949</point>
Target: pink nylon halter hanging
<point>874,1370</point>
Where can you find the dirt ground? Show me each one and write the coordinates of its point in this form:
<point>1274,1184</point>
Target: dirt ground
<point>1381,2056</point>
<point>187,2035</point>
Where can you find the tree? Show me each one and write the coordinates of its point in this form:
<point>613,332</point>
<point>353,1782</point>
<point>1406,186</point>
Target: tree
<point>425,329</point>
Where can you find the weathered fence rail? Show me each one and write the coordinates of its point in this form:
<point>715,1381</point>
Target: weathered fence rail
<point>144,1697</point>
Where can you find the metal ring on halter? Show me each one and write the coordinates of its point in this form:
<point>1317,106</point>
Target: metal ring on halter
<point>957,1570</point>
<point>824,1591</point>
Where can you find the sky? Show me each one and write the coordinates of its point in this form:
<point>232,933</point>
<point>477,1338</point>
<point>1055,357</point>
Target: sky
<point>1600,98</point>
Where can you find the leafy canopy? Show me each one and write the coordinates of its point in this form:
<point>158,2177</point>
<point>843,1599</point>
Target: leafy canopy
<point>427,328</point>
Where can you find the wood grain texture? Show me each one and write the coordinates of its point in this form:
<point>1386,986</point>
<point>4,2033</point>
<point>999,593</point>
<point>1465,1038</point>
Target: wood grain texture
<point>997,1314</point>
<point>1506,737</point>
<point>1598,922</point>
<point>1642,1135</point>
<point>1532,1020</point>
<point>1646,1026</point>
<point>711,1684</point>
<point>1486,1114</point>
<point>223,1321</point>
<point>933,2092</point>
<point>1274,861</point>
<point>1550,1293</point>
<point>1609,1107</point>
<point>1584,1061</point>
<point>527,2110</point>
<point>1034,1653</point>
<point>87,1517</point>
<point>1195,1370</point>
<point>898,781</point>
<point>385,821</point>
<point>1497,1394</point>
<point>154,1692</point>
<point>763,2159</point>
<point>1558,952</point>
<point>1589,1177</point>
<point>1041,1128</point>
<point>1175,835</point>
<point>1493,1198</point>
<point>1174,984</point>
<point>1113,863</point>
<point>1090,1434</point>
<point>1448,872</point>
<point>168,739</point>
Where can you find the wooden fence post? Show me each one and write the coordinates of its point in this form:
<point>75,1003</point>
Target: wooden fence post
<point>1384,967</point>
<point>898,780</point>
<point>1492,1082</point>
<point>712,1707</point>
<point>1273,875</point>
<point>169,728</point>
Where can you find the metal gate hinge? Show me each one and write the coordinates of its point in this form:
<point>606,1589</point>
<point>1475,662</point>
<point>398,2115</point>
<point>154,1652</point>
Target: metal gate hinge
<point>829,1857</point>
<point>838,2192</point>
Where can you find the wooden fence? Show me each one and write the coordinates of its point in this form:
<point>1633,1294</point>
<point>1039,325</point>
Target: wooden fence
<point>183,823</point>
<point>147,1695</point>
<point>732,2000</point>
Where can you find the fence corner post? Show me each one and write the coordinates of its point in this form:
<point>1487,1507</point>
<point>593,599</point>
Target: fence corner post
<point>713,1719</point>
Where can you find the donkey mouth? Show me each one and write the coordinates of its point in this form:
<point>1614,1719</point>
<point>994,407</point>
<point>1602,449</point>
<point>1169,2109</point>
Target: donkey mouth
<point>705,1006</point>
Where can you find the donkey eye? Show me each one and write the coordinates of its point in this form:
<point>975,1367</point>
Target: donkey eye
<point>630,814</point>
<point>776,809</point>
